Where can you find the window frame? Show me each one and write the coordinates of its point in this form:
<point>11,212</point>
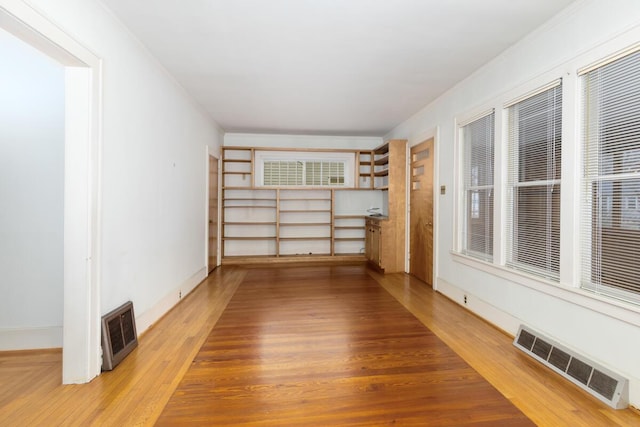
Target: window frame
<point>514,183</point>
<point>464,208</point>
<point>568,287</point>
<point>589,180</point>
<point>348,160</point>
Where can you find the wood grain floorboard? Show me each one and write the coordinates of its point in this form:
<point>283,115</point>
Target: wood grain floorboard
<point>329,346</point>
<point>135,393</point>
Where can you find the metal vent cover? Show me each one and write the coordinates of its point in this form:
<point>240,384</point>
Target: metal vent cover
<point>609,387</point>
<point>119,335</point>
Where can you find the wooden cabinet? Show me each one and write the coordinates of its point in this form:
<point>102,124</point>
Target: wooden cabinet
<point>385,245</point>
<point>373,251</point>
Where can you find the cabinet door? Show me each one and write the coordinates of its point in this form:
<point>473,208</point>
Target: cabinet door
<point>375,246</point>
<point>367,240</point>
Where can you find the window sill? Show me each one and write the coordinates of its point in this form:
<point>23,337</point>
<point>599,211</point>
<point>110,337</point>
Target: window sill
<point>620,310</point>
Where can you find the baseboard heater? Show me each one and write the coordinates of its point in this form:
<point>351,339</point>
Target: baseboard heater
<point>119,336</point>
<point>609,387</point>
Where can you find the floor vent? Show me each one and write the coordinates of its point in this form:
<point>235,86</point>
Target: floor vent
<point>609,387</point>
<point>119,335</point>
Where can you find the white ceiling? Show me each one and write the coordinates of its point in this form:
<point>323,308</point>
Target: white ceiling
<point>338,67</point>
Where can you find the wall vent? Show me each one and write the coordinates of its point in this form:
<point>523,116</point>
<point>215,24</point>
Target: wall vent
<point>609,387</point>
<point>119,335</point>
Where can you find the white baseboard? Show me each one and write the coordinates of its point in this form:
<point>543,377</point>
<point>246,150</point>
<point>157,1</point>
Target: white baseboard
<point>491,314</point>
<point>30,338</point>
<point>149,317</point>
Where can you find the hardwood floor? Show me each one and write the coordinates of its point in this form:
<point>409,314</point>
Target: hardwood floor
<point>138,390</point>
<point>329,347</point>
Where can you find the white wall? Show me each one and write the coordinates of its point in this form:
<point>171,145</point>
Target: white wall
<point>31,197</point>
<point>605,330</point>
<point>302,141</point>
<point>153,168</point>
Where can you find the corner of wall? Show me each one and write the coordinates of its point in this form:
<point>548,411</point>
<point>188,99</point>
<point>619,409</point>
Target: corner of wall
<point>162,307</point>
<point>498,318</point>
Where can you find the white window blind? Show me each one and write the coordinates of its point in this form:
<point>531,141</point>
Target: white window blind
<point>477,152</point>
<point>283,173</point>
<point>303,173</point>
<point>611,199</point>
<point>533,184</point>
<point>324,173</point>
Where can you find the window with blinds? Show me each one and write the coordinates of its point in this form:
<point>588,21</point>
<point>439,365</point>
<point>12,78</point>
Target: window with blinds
<point>324,173</point>
<point>477,160</point>
<point>533,183</point>
<point>303,173</point>
<point>283,173</point>
<point>611,197</point>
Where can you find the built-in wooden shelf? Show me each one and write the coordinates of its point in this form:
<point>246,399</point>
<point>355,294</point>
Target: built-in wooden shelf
<point>249,238</point>
<point>381,173</point>
<point>247,199</point>
<point>249,223</point>
<point>382,161</point>
<point>310,224</point>
<point>263,221</point>
<point>306,238</point>
<point>282,199</point>
<point>302,256</point>
<point>383,149</point>
<point>304,210</point>
<point>249,206</point>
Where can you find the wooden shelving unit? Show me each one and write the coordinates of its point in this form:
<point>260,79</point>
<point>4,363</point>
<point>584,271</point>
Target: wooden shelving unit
<point>364,178</point>
<point>381,167</point>
<point>275,224</point>
<point>385,236</point>
<point>304,218</point>
<point>349,234</point>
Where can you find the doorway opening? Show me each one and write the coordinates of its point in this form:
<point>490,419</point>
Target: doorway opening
<point>213,226</point>
<point>81,258</point>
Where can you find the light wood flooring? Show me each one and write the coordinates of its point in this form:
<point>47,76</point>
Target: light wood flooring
<point>137,392</point>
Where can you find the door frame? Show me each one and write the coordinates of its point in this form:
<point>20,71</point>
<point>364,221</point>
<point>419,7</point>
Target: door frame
<point>435,134</point>
<point>218,244</point>
<point>81,344</point>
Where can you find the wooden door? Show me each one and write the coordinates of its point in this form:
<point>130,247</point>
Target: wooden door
<point>213,213</point>
<point>421,212</point>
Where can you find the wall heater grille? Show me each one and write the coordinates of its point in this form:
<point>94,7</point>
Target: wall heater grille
<point>119,335</point>
<point>609,387</point>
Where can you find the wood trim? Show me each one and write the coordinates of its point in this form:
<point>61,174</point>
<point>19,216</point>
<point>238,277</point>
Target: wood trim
<point>295,259</point>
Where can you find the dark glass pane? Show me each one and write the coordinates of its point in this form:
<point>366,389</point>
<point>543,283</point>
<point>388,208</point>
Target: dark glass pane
<point>539,125</point>
<point>480,221</point>
<point>537,227</point>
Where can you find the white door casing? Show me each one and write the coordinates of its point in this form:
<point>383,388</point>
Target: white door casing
<point>81,357</point>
